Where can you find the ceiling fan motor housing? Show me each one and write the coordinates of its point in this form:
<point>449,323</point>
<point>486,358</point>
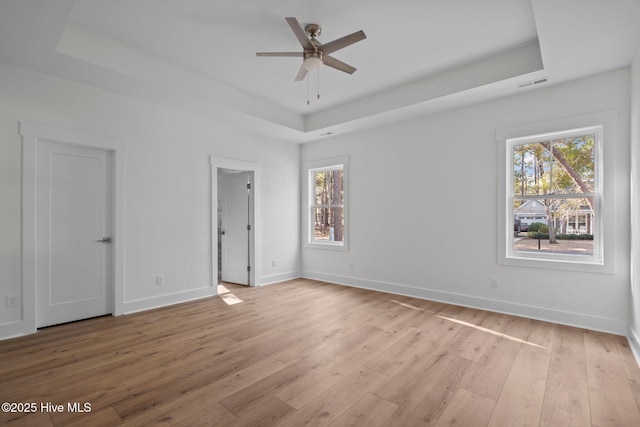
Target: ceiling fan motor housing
<point>313,30</point>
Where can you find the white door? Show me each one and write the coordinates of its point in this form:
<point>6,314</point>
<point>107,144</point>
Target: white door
<point>236,226</point>
<point>74,225</point>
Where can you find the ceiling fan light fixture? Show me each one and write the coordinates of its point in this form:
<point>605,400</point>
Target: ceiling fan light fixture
<point>312,61</point>
<point>314,54</point>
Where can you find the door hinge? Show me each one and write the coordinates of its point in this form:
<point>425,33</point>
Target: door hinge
<point>248,186</point>
<point>248,268</point>
<point>248,227</point>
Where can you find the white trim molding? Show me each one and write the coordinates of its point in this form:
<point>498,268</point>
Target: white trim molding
<point>169,299</point>
<point>280,277</point>
<point>309,168</point>
<point>241,165</point>
<point>603,260</point>
<point>634,344</point>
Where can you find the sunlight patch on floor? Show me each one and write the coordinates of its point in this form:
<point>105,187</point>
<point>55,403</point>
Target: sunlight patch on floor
<point>489,331</point>
<point>404,304</point>
<point>227,296</point>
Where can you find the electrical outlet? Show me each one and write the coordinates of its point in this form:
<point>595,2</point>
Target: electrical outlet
<point>160,279</point>
<point>12,301</point>
<point>495,282</point>
<point>273,263</point>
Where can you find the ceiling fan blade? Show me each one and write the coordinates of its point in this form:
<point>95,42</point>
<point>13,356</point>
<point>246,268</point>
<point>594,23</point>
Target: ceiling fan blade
<point>301,35</point>
<point>337,64</point>
<point>297,54</point>
<point>302,73</point>
<point>342,42</point>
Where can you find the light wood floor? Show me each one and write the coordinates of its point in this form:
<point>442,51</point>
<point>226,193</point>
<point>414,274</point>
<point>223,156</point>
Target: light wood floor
<point>310,353</point>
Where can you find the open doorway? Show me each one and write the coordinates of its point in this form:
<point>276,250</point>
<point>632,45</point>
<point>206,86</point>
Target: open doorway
<point>234,221</point>
<point>235,225</point>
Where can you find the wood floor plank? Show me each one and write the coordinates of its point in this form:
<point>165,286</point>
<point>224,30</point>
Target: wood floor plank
<point>305,352</point>
<point>370,411</point>
<point>208,415</point>
<point>431,338</point>
<point>312,386</point>
<point>520,402</point>
<point>423,401</point>
<point>611,398</point>
<point>467,409</point>
<point>194,374</point>
<point>269,413</point>
<point>338,399</point>
<point>181,407</point>
<point>41,381</point>
<point>27,365</point>
<point>630,366</point>
<point>489,373</point>
<point>566,402</point>
<point>258,392</point>
<point>541,334</point>
<point>40,419</point>
<point>471,343</point>
<point>105,417</point>
<point>567,353</point>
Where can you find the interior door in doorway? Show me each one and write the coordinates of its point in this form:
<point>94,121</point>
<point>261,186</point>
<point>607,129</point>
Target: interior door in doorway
<point>236,227</point>
<point>74,226</point>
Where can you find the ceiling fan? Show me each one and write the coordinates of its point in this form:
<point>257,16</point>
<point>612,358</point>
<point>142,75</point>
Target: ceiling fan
<point>315,53</point>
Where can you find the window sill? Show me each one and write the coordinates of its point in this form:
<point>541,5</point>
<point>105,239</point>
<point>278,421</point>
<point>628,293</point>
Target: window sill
<point>328,246</point>
<point>543,262</point>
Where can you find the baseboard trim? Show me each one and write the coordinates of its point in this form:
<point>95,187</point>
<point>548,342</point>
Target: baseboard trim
<point>166,300</point>
<point>15,329</point>
<point>595,323</point>
<point>634,343</point>
<point>281,277</point>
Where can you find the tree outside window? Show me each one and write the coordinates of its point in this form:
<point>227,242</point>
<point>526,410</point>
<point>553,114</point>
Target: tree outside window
<point>327,183</point>
<point>560,173</point>
<point>328,209</point>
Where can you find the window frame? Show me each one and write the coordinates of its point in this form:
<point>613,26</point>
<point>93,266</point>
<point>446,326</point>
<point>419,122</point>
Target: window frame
<point>602,260</point>
<point>311,168</point>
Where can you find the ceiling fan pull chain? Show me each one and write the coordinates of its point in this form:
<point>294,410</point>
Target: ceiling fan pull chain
<point>318,79</point>
<point>308,91</point>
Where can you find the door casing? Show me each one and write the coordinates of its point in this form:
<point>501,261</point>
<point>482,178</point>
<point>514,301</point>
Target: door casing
<point>239,165</point>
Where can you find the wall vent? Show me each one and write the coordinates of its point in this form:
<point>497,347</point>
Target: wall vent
<point>533,82</point>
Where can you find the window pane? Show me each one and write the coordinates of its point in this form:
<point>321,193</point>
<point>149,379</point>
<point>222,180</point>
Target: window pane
<point>566,226</point>
<point>329,187</point>
<point>531,169</point>
<point>560,166</point>
<point>574,170</point>
<point>328,224</point>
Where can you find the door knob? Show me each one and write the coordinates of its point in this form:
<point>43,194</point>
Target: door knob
<point>104,240</point>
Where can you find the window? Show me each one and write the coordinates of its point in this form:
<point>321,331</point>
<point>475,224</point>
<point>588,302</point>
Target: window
<point>327,203</point>
<point>553,174</point>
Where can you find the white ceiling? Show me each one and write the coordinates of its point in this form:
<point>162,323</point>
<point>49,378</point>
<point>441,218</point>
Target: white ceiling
<point>419,57</point>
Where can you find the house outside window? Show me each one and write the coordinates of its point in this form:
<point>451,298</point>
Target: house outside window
<point>327,212</point>
<point>553,182</point>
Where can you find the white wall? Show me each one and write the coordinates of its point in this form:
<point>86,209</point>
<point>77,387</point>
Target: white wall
<point>409,213</point>
<point>168,185</point>
<point>414,187</point>
<point>634,333</point>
